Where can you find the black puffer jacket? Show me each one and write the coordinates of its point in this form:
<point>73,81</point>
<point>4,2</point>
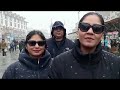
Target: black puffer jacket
<point>55,50</point>
<point>76,65</point>
<point>29,68</point>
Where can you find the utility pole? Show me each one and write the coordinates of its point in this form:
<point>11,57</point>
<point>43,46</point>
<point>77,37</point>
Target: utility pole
<point>78,15</point>
<point>51,27</point>
<point>64,22</point>
<point>51,24</point>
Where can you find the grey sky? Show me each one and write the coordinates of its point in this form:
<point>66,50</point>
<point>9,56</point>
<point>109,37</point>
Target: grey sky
<point>43,19</point>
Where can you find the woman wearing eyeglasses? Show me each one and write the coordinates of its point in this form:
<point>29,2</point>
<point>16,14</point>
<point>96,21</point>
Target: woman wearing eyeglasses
<point>34,61</point>
<point>87,60</point>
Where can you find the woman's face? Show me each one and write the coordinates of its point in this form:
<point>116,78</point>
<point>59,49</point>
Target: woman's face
<point>89,38</point>
<point>33,48</point>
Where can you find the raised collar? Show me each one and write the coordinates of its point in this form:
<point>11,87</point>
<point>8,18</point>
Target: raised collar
<point>33,63</point>
<point>87,59</point>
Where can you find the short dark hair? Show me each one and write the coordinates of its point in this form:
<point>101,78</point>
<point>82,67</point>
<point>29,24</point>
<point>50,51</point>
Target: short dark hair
<point>92,13</point>
<point>33,32</point>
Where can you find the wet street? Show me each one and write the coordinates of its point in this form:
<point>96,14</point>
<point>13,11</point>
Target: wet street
<point>5,61</point>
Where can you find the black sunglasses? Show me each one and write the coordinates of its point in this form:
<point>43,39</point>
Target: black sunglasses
<point>33,43</point>
<point>97,29</point>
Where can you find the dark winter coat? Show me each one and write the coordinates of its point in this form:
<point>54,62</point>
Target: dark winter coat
<point>29,68</point>
<point>55,50</point>
<point>76,65</point>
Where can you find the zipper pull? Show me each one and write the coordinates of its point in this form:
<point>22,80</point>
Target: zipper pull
<point>38,61</point>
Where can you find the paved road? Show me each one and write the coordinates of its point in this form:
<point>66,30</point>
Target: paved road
<point>5,61</point>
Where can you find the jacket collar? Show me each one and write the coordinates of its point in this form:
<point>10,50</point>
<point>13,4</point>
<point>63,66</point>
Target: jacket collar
<point>61,42</point>
<point>90,59</point>
<point>33,63</point>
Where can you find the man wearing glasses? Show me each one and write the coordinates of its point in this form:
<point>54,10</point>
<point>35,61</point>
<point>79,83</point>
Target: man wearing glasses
<point>58,43</point>
<point>87,60</point>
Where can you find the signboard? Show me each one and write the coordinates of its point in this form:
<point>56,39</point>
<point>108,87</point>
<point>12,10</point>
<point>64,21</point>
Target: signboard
<point>112,35</point>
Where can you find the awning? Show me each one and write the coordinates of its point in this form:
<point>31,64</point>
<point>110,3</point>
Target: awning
<point>116,20</point>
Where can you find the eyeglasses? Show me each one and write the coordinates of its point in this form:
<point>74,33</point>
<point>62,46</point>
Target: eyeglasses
<point>33,43</point>
<point>97,29</point>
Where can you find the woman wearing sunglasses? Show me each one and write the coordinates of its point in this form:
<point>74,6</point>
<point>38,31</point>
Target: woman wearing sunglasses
<point>34,61</point>
<point>87,60</point>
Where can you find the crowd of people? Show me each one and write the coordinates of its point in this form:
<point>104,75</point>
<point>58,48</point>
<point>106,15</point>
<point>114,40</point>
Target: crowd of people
<point>11,47</point>
<point>60,58</point>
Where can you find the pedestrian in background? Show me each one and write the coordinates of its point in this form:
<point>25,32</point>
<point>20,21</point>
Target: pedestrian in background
<point>11,47</point>
<point>3,47</point>
<point>58,43</point>
<point>21,45</point>
<point>15,44</point>
<point>87,60</point>
<point>34,61</point>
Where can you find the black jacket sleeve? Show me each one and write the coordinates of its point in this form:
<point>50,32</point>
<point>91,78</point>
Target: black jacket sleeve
<point>56,69</point>
<point>9,73</point>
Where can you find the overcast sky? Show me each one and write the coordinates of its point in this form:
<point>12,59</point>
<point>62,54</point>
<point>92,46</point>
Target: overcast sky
<point>42,19</point>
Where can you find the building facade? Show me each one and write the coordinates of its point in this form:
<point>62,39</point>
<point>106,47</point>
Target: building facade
<point>112,22</point>
<point>109,15</point>
<point>12,26</point>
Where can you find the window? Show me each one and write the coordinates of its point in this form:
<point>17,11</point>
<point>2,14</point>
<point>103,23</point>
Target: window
<point>15,24</point>
<point>18,25</point>
<point>1,21</point>
<point>5,17</point>
<point>14,20</point>
<point>10,23</point>
<point>6,23</point>
<point>21,26</point>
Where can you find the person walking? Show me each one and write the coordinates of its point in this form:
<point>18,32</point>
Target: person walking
<point>4,47</point>
<point>21,45</point>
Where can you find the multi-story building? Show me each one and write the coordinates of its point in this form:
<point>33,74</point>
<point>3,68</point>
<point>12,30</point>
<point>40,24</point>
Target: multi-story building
<point>12,26</point>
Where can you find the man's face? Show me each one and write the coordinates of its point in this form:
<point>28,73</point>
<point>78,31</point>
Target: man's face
<point>58,32</point>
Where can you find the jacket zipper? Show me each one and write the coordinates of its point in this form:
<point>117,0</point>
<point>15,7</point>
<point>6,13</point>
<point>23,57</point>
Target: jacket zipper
<point>91,70</point>
<point>38,70</point>
<point>53,52</point>
<point>38,61</point>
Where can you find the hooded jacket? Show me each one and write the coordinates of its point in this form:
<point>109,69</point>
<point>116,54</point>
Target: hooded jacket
<point>64,45</point>
<point>58,24</point>
<point>29,68</point>
<point>55,50</point>
<point>76,65</point>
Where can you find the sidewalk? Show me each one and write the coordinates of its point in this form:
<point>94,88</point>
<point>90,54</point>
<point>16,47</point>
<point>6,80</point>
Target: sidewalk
<point>5,61</point>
